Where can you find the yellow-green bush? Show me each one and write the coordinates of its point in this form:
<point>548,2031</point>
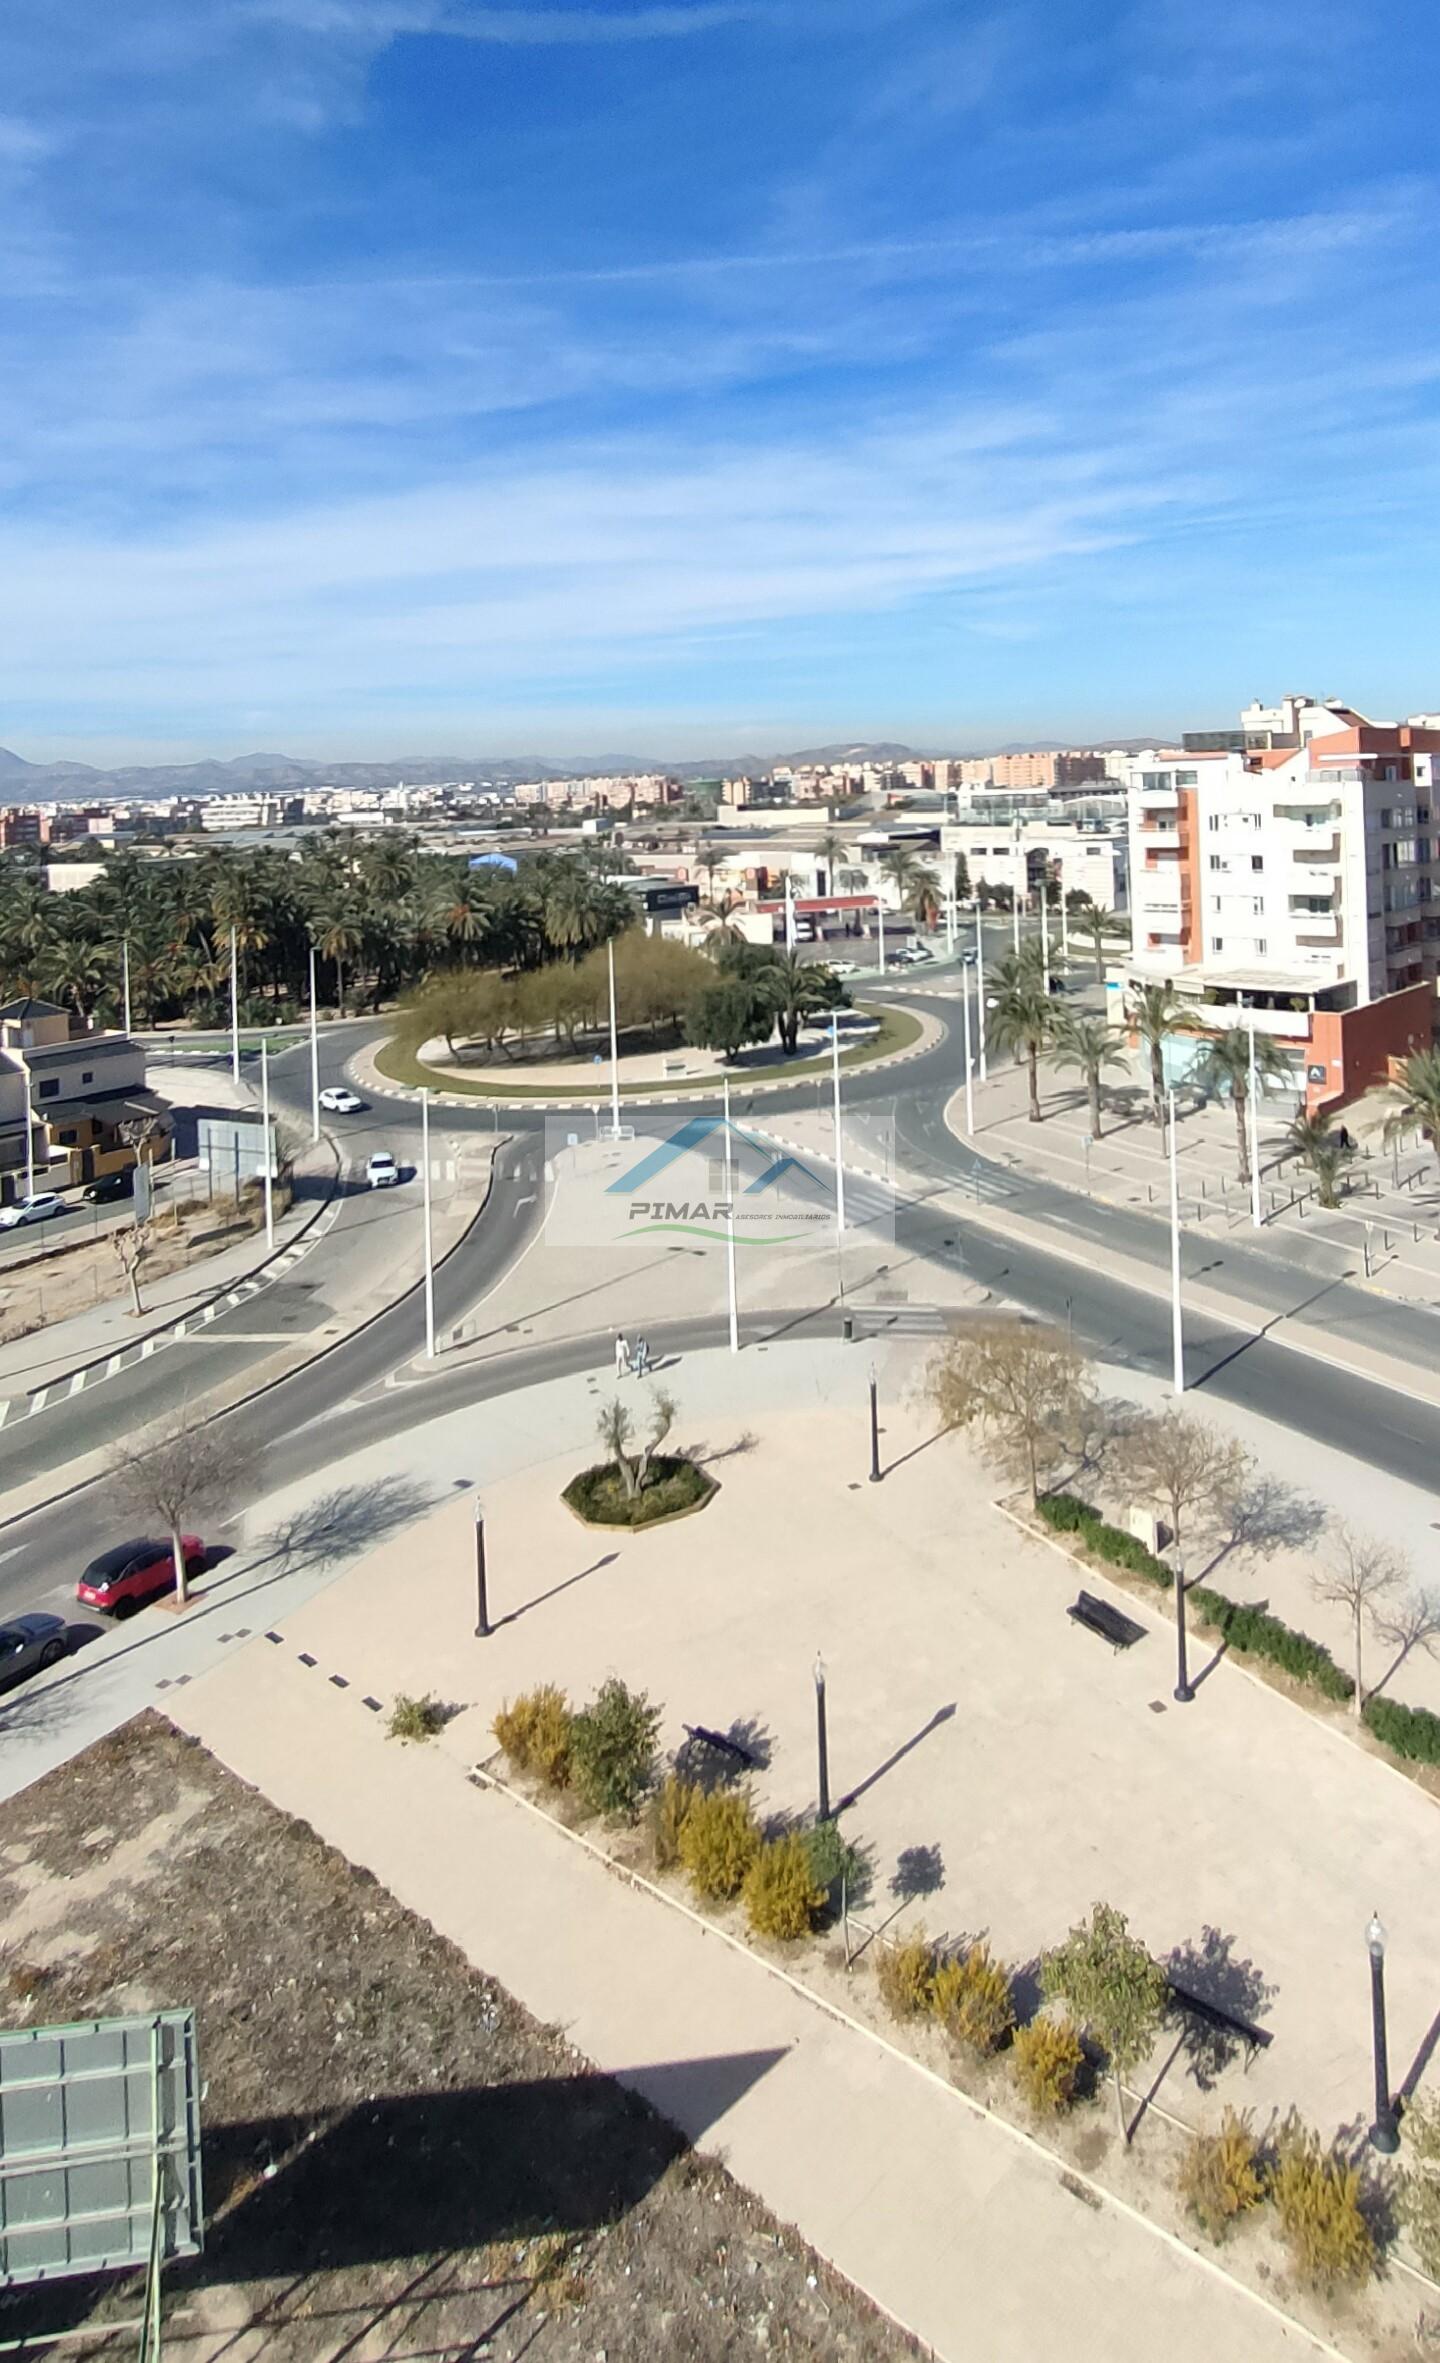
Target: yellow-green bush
<point>972,2000</point>
<point>669,1809</point>
<point>535,1733</point>
<point>1420,2184</point>
<point>718,1841</point>
<point>781,1896</point>
<point>906,1975</point>
<point>1220,2177</point>
<point>1049,2062</point>
<point>1317,2197</point>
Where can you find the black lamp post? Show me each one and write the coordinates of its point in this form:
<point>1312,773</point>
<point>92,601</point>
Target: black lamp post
<point>822,1743</point>
<point>1183,1693</point>
<point>482,1601</point>
<point>1385,2132</point>
<point>874,1432</point>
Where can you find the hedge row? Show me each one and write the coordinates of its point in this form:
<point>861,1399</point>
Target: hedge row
<point>1248,1631</point>
<point>1068,1514</point>
<point>1411,1731</point>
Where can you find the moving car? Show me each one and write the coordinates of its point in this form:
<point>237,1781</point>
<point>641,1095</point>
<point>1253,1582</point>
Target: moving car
<point>27,1643</point>
<point>340,1100</point>
<point>911,953</point>
<point>842,967</point>
<point>36,1209</point>
<point>123,1579</point>
<point>382,1172</point>
<point>110,1187</point>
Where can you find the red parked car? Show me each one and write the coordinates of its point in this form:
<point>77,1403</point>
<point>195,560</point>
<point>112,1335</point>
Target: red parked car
<point>122,1580</point>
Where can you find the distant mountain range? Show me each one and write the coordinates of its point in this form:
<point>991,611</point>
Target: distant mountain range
<point>46,783</point>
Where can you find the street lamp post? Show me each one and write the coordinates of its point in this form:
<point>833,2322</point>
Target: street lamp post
<point>969,1061</point>
<point>822,1740</point>
<point>875,1470</point>
<point>234,1008</point>
<point>1045,930</point>
<point>125,979</point>
<point>1256,1217</point>
<point>730,1231</point>
<point>482,1593</point>
<point>839,1152</point>
<point>880,928</point>
<point>1385,2132</point>
<point>980,989</point>
<point>1183,1692</point>
<point>1177,1319</point>
<point>265,1145</point>
<point>429,1234</point>
<point>314,1055</point>
<point>614,1048</point>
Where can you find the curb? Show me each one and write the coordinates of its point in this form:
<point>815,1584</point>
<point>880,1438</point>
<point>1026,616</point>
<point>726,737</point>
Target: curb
<point>139,1349</point>
<point>256,1394</point>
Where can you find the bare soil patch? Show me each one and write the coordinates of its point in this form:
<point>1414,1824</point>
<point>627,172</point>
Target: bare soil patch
<point>399,2161</point>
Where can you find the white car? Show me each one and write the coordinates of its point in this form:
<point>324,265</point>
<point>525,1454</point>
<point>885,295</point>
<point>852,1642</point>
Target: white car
<point>382,1172</point>
<point>340,1100</point>
<point>37,1209</point>
<point>841,967</point>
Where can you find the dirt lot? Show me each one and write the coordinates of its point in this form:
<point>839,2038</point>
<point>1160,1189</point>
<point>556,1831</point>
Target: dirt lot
<point>399,2162</point>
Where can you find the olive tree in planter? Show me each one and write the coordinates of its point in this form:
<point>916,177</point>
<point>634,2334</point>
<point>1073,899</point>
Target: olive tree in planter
<point>639,1484</point>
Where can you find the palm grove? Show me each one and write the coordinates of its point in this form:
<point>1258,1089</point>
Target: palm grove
<point>488,955</point>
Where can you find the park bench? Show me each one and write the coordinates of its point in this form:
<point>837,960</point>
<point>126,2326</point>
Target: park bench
<point>1111,1624</point>
<point>726,1745</point>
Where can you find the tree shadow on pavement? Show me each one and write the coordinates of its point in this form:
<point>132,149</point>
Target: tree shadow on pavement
<point>1265,1515</point>
<point>353,1518</point>
<point>1219,1998</point>
<point>919,1871</point>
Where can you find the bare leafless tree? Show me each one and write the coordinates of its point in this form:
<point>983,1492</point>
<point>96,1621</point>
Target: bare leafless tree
<point>1024,1386</point>
<point>1361,1576</point>
<point>133,1244</point>
<point>1181,1468</point>
<point>617,1433</point>
<point>181,1469</point>
<point>1413,1624</point>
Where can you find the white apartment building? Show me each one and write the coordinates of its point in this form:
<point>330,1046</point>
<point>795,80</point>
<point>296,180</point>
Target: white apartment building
<point>1309,867</point>
<point>1017,848</point>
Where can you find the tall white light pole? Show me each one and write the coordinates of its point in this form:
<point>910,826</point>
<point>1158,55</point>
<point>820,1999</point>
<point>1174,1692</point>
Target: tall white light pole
<point>1177,1326</point>
<point>950,924</point>
<point>125,979</point>
<point>980,983</point>
<point>1021,874</point>
<point>1045,931</point>
<point>265,1149</point>
<point>429,1239</point>
<point>1255,1214</point>
<point>730,1231</point>
<point>789,912</point>
<point>314,1055</point>
<point>880,923</point>
<point>29,1143</point>
<point>839,1135</point>
<point>614,1050</point>
<point>969,1062</point>
<point>234,1010</point>
<point>1064,919</point>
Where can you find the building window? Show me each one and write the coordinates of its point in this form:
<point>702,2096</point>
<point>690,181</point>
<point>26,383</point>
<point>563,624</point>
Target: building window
<point>1257,861</point>
<point>1186,779</point>
<point>68,1140</point>
<point>1215,861</point>
<point>88,1076</point>
<point>1217,943</point>
<point>1214,821</point>
<point>1214,902</point>
<point>1260,944</point>
<point>50,1088</point>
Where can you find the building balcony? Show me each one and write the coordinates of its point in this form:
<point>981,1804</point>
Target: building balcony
<point>1319,845</point>
<point>1159,837</point>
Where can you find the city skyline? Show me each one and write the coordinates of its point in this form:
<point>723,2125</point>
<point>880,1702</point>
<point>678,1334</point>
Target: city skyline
<point>739,374</point>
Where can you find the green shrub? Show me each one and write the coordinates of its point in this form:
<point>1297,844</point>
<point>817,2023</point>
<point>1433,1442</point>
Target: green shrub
<point>415,1718</point>
<point>1066,1512</point>
<point>718,1841</point>
<point>781,1897</point>
<point>612,1749</point>
<point>971,1998</point>
<point>1220,2178</point>
<point>671,1485</point>
<point>832,1860</point>
<point>1413,1732</point>
<point>1420,2183</point>
<point>1317,2197</point>
<point>535,1734</point>
<point>906,1975</point>
<point>670,1808</point>
<point>1254,1633</point>
<point>1049,2063</point>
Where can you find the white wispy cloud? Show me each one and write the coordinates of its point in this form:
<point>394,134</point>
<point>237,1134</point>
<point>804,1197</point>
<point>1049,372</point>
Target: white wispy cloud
<point>380,21</point>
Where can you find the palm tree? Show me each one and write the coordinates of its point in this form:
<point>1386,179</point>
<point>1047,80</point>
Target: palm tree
<point>1094,926</point>
<point>337,938</point>
<point>921,895</point>
<point>899,865</point>
<point>1154,1013</point>
<point>793,988</point>
<point>831,848</point>
<point>1411,1099</point>
<point>1092,1045</point>
<point>1022,1019</point>
<point>1224,1067</point>
<point>719,908</point>
<point>1314,1142</point>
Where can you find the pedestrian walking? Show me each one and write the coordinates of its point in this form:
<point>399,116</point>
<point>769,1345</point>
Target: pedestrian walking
<point>641,1364</point>
<point>622,1354</point>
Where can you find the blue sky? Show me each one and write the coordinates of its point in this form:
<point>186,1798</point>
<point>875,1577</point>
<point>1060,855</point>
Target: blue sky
<point>698,375</point>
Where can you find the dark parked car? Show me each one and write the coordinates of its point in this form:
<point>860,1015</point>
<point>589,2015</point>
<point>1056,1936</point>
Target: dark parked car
<point>122,1580</point>
<point>27,1643</point>
<point>111,1187</point>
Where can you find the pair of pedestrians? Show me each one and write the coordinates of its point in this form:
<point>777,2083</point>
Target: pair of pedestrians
<point>628,1364</point>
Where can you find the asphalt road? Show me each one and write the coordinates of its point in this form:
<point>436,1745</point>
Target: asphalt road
<point>328,1408</point>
